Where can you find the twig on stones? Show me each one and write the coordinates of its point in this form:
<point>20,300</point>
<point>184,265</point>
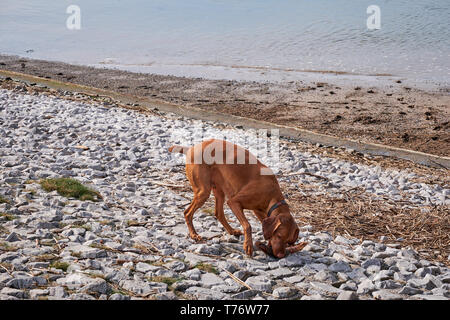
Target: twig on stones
<point>236,279</point>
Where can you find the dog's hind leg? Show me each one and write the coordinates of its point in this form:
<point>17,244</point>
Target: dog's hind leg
<point>219,213</point>
<point>201,184</point>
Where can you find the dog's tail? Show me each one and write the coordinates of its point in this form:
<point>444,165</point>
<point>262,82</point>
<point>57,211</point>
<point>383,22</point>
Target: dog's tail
<point>178,149</point>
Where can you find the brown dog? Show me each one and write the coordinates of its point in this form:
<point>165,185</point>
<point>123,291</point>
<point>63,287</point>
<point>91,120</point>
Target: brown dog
<point>233,172</point>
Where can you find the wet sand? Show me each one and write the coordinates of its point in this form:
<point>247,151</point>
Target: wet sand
<point>393,115</point>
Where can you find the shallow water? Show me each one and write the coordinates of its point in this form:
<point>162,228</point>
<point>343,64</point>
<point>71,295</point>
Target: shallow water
<point>218,38</point>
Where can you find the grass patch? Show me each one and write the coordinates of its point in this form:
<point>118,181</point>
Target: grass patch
<point>3,199</point>
<point>5,246</point>
<point>209,211</point>
<point>70,188</point>
<point>206,267</point>
<point>60,265</point>
<point>167,280</point>
<point>8,216</point>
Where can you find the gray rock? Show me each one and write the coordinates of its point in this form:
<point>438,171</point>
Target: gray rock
<point>294,260</point>
<point>205,293</point>
<point>284,292</point>
<point>98,286</point>
<point>326,289</point>
<point>118,296</point>
<point>408,253</point>
<point>184,284</point>
<point>17,293</point>
<point>227,288</point>
<point>340,266</point>
<point>357,274</point>
<point>383,275</point>
<point>406,265</point>
<point>193,274</point>
<point>425,283</point>
<point>176,266</point>
<point>422,272</point>
<point>137,287</point>
<point>81,296</point>
<point>410,291</point>
<point>347,295</point>
<point>294,279</point>
<point>244,295</point>
<point>145,267</point>
<point>209,280</point>
<point>366,286</point>
<point>280,273</point>
<point>386,295</point>
<point>345,241</point>
<point>21,282</point>
<point>12,237</point>
<point>325,275</point>
<point>349,286</point>
<point>261,283</point>
<point>38,293</point>
<point>88,252</point>
<point>387,284</point>
<point>371,262</point>
<point>57,292</point>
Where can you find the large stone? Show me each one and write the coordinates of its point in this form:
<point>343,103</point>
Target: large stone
<point>75,280</point>
<point>325,275</point>
<point>244,295</point>
<point>366,286</point>
<point>284,292</point>
<point>294,279</point>
<point>295,260</point>
<point>12,237</point>
<point>347,295</point>
<point>280,273</point>
<point>137,287</point>
<point>87,252</point>
<point>410,291</point>
<point>17,293</point>
<point>205,293</point>
<point>209,280</point>
<point>325,288</point>
<point>371,262</point>
<point>98,286</point>
<point>261,283</point>
<point>340,266</point>
<point>21,282</point>
<point>38,293</point>
<point>386,295</point>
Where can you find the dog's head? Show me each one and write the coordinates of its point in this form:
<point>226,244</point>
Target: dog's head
<point>281,231</point>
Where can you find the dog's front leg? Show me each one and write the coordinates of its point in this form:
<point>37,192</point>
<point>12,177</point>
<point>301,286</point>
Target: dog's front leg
<point>236,207</point>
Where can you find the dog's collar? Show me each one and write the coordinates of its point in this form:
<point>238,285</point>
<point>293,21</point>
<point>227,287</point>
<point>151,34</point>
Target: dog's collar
<point>276,205</point>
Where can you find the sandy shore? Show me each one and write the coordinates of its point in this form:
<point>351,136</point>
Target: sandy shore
<point>393,115</point>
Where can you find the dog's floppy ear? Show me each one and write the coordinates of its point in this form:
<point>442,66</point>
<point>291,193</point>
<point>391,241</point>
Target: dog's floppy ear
<point>269,225</point>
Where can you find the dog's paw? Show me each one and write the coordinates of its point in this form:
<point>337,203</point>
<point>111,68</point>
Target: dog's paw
<point>236,233</point>
<point>196,237</point>
<point>248,248</point>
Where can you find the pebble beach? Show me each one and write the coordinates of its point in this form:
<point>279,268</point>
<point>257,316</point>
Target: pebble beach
<point>134,244</point>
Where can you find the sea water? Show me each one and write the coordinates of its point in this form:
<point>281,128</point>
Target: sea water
<point>248,39</point>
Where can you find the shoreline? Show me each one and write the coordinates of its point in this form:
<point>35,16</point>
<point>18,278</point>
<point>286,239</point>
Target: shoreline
<point>395,115</point>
